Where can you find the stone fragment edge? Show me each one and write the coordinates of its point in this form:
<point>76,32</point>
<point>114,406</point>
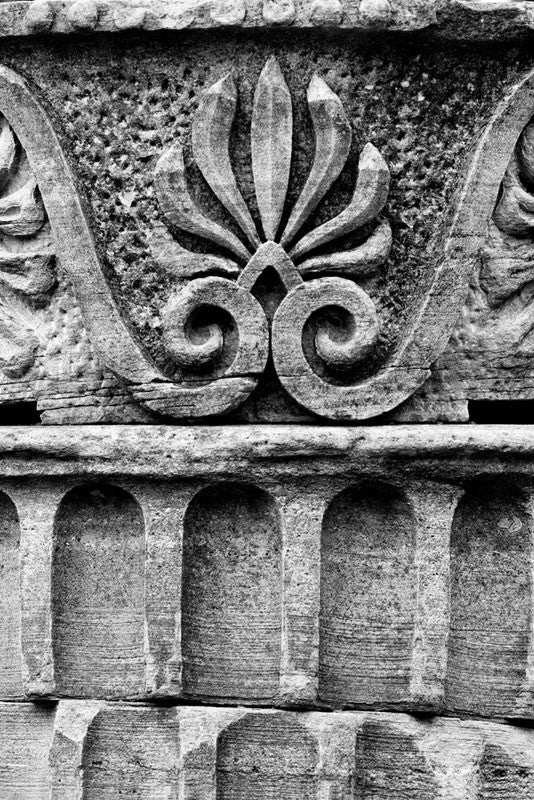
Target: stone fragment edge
<point>453,19</point>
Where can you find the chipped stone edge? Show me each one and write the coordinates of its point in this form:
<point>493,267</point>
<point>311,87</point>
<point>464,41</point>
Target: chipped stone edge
<point>455,19</point>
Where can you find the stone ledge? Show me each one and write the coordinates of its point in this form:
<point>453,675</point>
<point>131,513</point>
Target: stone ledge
<point>456,19</point>
<point>453,451</point>
<point>93,750</point>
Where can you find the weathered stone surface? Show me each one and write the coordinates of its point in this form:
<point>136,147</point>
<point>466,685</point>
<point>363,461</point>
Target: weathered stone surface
<point>97,750</point>
<point>335,568</point>
<point>290,226</point>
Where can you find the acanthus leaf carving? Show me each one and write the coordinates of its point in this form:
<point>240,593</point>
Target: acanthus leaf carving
<point>27,274</point>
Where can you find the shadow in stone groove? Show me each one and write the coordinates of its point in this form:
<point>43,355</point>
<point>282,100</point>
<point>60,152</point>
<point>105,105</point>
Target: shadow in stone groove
<point>98,593</point>
<point>368,596</point>
<point>10,648</point>
<point>231,593</point>
<point>23,413</point>
<point>490,600</point>
<point>501,412</point>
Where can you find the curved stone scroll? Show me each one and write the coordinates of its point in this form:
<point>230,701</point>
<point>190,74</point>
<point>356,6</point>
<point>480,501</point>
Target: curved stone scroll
<point>75,248</point>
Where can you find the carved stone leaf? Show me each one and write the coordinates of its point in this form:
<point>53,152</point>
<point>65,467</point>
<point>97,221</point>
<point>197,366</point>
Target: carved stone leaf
<point>31,274</point>
<point>368,200</point>
<point>8,152</point>
<point>180,263</point>
<point>18,342</point>
<point>272,132</point>
<point>211,130</point>
<point>514,213</point>
<point>525,154</point>
<point>358,262</point>
<point>22,212</point>
<point>180,208</point>
<point>333,138</point>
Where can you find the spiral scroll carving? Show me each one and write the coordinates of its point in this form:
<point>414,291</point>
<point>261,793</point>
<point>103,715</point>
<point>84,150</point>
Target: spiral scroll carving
<point>194,326</point>
<point>320,283</point>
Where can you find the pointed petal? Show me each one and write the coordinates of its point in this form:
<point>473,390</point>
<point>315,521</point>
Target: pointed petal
<point>368,200</point>
<point>211,129</point>
<point>180,209</point>
<point>180,263</point>
<point>525,155</point>
<point>333,138</point>
<point>7,152</point>
<point>22,212</point>
<point>356,263</point>
<point>271,134</point>
<point>514,213</point>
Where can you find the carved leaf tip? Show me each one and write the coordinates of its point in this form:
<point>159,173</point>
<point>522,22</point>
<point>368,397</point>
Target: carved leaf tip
<point>8,151</point>
<point>368,200</point>
<point>180,209</point>
<point>22,212</point>
<point>358,262</point>
<point>211,129</point>
<point>525,154</point>
<point>333,138</point>
<point>271,143</point>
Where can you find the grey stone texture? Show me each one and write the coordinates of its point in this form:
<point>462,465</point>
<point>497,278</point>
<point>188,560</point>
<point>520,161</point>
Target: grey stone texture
<point>220,215</point>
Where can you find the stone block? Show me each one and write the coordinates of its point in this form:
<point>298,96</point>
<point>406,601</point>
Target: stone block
<point>380,569</point>
<point>99,751</point>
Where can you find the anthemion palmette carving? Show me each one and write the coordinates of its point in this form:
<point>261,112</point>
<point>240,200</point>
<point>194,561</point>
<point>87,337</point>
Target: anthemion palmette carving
<point>332,350</point>
<point>26,257</point>
<point>325,315</point>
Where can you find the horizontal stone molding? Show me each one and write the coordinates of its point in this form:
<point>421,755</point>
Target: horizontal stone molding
<point>91,750</point>
<point>456,19</point>
<point>453,452</point>
<point>391,568</point>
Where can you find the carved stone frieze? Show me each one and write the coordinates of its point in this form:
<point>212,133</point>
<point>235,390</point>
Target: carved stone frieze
<point>286,268</point>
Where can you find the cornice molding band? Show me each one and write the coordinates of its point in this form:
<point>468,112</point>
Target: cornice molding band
<point>454,19</point>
